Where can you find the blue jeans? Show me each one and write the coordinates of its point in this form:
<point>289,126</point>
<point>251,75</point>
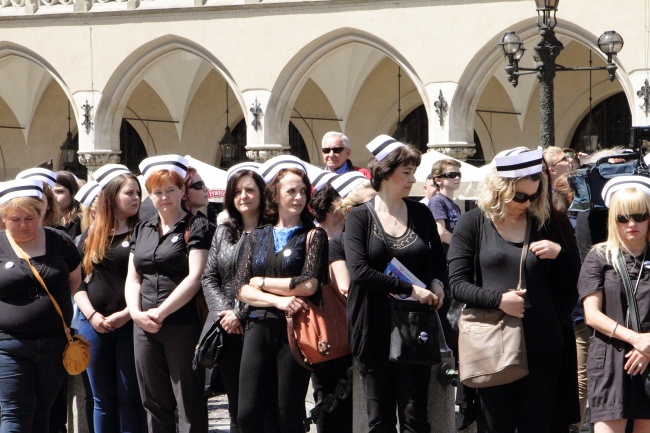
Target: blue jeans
<point>117,404</point>
<point>31,375</point>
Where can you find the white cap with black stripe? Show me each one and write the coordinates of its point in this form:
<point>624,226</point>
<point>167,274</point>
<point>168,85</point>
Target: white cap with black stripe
<point>38,173</point>
<point>88,192</point>
<point>176,163</point>
<point>319,178</point>
<point>518,162</point>
<point>270,168</point>
<point>248,165</point>
<point>20,188</point>
<point>624,182</point>
<point>382,146</point>
<point>109,172</point>
<point>346,182</point>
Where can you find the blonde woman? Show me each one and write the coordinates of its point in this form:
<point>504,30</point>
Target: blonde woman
<point>618,356</point>
<point>484,258</point>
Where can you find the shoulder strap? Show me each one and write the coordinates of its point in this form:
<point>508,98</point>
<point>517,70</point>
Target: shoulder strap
<point>42,283</point>
<point>371,206</point>
<point>524,253</point>
<point>632,308</point>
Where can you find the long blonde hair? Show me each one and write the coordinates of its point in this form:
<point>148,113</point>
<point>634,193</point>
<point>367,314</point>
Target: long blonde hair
<point>498,191</point>
<point>628,201</point>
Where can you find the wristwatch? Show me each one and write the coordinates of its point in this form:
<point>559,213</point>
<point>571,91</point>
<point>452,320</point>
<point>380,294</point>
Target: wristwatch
<point>260,283</point>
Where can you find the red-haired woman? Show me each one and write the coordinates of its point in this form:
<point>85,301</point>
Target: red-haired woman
<point>164,276</point>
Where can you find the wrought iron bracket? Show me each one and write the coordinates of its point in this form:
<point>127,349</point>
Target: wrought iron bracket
<point>87,123</point>
<point>644,94</point>
<point>256,110</point>
<point>441,108</point>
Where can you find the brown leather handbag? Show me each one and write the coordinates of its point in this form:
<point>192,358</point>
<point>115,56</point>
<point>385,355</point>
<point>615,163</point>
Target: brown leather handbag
<point>321,333</point>
<point>491,345</point>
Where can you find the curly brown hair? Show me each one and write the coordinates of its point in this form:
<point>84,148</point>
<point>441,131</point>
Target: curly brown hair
<point>271,193</point>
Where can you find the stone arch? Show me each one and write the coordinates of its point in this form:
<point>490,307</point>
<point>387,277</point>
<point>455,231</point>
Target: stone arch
<point>489,60</point>
<point>37,81</point>
<point>295,74</point>
<point>127,76</point>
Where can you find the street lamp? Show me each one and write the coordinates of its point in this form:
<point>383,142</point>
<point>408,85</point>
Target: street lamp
<point>547,51</point>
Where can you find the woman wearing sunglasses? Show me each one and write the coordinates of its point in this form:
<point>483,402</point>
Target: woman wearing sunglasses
<point>618,356</point>
<point>484,261</point>
<point>196,192</point>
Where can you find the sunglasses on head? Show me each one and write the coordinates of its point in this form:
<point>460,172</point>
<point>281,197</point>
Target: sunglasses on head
<point>336,150</point>
<point>197,185</point>
<point>521,197</point>
<point>451,175</point>
<point>637,217</point>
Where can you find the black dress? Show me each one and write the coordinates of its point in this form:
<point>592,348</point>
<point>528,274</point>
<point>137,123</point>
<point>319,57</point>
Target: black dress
<point>614,394</point>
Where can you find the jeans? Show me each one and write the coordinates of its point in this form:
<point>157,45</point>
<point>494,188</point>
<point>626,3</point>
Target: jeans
<point>31,375</point>
<point>117,404</point>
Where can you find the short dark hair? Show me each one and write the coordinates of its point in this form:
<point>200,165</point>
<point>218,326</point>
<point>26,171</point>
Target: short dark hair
<point>322,201</point>
<point>438,168</point>
<point>382,170</point>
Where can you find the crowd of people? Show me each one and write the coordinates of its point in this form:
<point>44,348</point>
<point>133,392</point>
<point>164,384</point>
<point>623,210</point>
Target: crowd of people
<point>137,288</point>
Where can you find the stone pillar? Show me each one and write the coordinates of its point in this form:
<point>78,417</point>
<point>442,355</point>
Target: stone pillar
<point>93,159</point>
<point>261,144</point>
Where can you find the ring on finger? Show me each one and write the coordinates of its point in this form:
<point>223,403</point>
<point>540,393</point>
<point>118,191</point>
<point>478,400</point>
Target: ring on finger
<point>640,365</point>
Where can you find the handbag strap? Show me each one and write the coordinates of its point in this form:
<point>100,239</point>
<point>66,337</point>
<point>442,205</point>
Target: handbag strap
<point>632,308</point>
<point>524,252</point>
<point>40,280</point>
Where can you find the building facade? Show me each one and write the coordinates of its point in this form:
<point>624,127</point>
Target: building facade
<point>147,77</point>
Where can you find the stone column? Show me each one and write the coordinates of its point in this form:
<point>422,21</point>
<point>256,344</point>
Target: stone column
<point>447,130</point>
<point>262,143</point>
<point>93,159</point>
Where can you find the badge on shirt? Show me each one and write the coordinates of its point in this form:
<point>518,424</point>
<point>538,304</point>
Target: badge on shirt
<point>646,265</point>
<point>125,244</point>
<point>9,265</point>
<point>175,239</point>
<point>287,253</point>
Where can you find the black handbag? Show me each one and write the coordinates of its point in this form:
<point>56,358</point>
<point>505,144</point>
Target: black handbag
<point>414,337</point>
<point>633,313</point>
<point>209,349</point>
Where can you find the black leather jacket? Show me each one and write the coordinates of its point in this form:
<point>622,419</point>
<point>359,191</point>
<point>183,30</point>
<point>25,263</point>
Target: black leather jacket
<point>218,279</point>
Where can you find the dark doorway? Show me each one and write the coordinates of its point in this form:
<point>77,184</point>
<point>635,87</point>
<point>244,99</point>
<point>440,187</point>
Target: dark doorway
<point>613,120</point>
<point>132,147</point>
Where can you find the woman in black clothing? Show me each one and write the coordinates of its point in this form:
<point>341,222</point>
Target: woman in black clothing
<point>277,268</point>
<point>487,244</point>
<point>245,206</point>
<point>105,319</point>
<point>164,277</point>
<point>618,355</point>
<point>64,191</point>
<point>415,242</point>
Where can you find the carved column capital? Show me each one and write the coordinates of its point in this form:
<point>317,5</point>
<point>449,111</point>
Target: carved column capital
<point>263,155</point>
<point>458,152</point>
<point>93,159</point>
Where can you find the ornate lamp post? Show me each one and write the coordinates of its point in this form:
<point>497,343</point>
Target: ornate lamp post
<point>547,51</point>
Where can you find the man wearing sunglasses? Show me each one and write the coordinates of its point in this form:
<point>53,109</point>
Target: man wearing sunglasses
<point>336,154</point>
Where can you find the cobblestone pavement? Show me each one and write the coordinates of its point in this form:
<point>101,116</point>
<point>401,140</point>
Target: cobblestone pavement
<point>218,419</point>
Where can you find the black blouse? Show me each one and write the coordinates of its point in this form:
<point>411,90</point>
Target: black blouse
<point>25,309</point>
<point>162,262</point>
<point>105,286</point>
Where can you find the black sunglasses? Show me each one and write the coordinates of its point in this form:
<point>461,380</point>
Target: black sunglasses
<point>637,217</point>
<point>564,158</point>
<point>197,185</point>
<point>451,175</point>
<point>336,150</point>
<point>521,197</point>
